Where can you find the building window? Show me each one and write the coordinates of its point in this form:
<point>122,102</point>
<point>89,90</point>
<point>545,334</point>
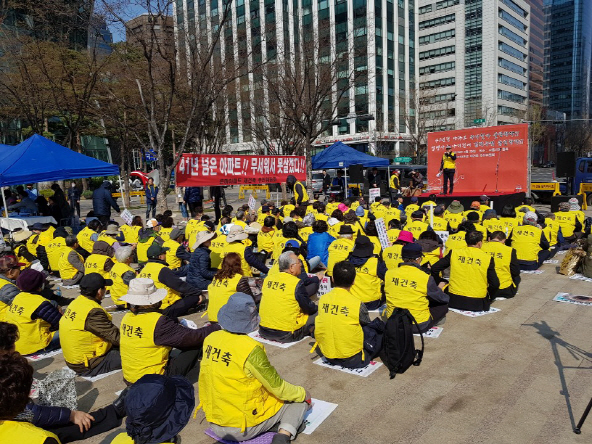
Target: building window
<point>425,9</point>
<point>446,4</point>
<point>440,67</point>
<point>436,52</point>
<point>506,95</point>
<point>507,111</point>
<point>437,21</point>
<point>503,47</point>
<point>511,81</point>
<point>511,66</point>
<point>514,7</point>
<point>512,36</point>
<point>512,20</point>
<point>437,37</point>
<point>438,83</point>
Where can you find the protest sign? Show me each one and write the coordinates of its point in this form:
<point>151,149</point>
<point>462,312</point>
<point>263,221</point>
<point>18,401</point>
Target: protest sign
<point>373,194</point>
<point>382,236</point>
<point>252,203</point>
<point>127,217</point>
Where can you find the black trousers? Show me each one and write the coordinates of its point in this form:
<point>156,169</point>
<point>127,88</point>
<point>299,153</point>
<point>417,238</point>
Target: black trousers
<point>182,362</point>
<point>105,419</point>
<point>104,220</point>
<point>193,206</point>
<point>448,177</point>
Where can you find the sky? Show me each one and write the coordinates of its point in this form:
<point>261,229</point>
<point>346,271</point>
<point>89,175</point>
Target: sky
<point>118,30</point>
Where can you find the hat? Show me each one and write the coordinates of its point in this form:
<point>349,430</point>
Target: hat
<point>484,198</point>
<point>360,211</point>
<point>564,206</point>
<point>8,263</point>
<point>411,251</point>
<point>94,281</point>
<point>176,232</point>
<point>574,205</point>
<point>21,235</point>
<point>292,243</point>
<point>201,237</point>
<point>142,291</point>
<point>239,314</point>
<point>473,216</point>
<point>417,214</point>
<point>236,233</point>
<point>530,217</point>
<point>455,207</point>
<point>253,228</point>
<point>414,199</point>
<point>342,207</point>
<point>475,205</point>
<point>405,236</point>
<point>265,209</point>
<point>363,247</point>
<point>152,223</point>
<point>489,213</point>
<point>158,407</point>
<point>346,229</point>
<point>438,210</point>
<point>38,227</point>
<point>112,229</point>
<point>30,280</point>
<point>156,250</point>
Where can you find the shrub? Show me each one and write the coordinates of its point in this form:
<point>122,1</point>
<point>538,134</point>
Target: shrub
<point>87,194</point>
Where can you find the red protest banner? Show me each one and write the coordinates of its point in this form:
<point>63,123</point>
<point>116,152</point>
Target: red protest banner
<point>199,170</point>
<point>488,159</point>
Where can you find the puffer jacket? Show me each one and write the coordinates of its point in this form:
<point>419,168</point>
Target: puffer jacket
<point>318,245</point>
<point>103,201</point>
<point>192,195</point>
<point>200,272</point>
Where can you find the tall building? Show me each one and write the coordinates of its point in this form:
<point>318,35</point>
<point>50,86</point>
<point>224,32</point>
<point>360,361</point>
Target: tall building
<point>100,37</point>
<point>536,52</point>
<point>568,57</point>
<point>473,62</point>
<point>378,37</point>
<point>140,28</point>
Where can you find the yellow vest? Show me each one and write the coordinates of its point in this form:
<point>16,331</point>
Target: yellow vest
<point>410,209</point>
<point>130,234</point>
<point>416,227</point>
<point>23,432</point>
<point>192,236</point>
<point>494,224</point>
<point>151,271</point>
<point>440,224</point>
<point>551,231</point>
<point>526,241</point>
<point>454,219</point>
<point>32,244</point>
<point>229,396</point>
<point>367,284</point>
<point>279,309</point>
<point>18,250</point>
<point>508,224</point>
<point>219,291</point>
<point>380,211</point>
<point>337,326</point>
<point>394,181</point>
<point>339,250</point>
<point>468,272</point>
<point>217,250</point>
<point>305,232</point>
<point>4,307</point>
<point>392,256</point>
<point>330,207</point>
<point>84,240</point>
<point>34,335</point>
<point>406,287</point>
<point>165,233</point>
<point>392,213</point>
<point>334,229</point>
<point>502,257</point>
<point>265,241</point>
<point>287,209</point>
<point>449,164</point>
<point>79,345</point>
<point>304,193</point>
<point>481,229</point>
<point>393,234</point>
<point>118,289</point>
<point>139,354</point>
<point>377,245</point>
<point>105,238</point>
<point>46,237</point>
<point>431,257</point>
<point>54,251</point>
<point>95,263</point>
<point>528,207</point>
<point>279,242</point>
<point>567,222</point>
<point>239,248</point>
<point>171,255</point>
<point>142,249</point>
<point>67,271</point>
<point>455,241</point>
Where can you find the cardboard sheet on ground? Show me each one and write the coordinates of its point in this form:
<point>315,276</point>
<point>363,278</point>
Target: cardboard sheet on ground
<point>531,271</point>
<point>573,299</point>
<point>551,261</point>
<point>95,378</point>
<point>39,356</point>
<point>433,332</point>
<point>580,277</point>
<point>364,371</point>
<point>70,287</point>
<point>475,314</point>
<point>265,438</point>
<point>317,414</point>
<point>255,335</point>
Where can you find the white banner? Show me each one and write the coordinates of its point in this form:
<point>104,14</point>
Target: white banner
<point>382,236</point>
<point>252,203</point>
<point>373,194</point>
<point>127,217</point>
<point>443,235</point>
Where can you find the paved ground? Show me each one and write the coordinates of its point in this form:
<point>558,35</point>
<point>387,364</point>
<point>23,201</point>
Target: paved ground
<point>522,375</point>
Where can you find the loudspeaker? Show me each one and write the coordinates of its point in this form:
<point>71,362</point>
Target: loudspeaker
<point>566,164</point>
<point>356,174</point>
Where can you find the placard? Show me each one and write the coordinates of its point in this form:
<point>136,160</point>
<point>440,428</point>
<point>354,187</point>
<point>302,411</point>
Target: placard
<point>373,194</point>
<point>252,203</point>
<point>382,236</point>
<point>325,286</point>
<point>319,411</point>
<point>443,235</point>
<point>127,217</point>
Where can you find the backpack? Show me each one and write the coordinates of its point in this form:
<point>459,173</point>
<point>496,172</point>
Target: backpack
<point>398,342</point>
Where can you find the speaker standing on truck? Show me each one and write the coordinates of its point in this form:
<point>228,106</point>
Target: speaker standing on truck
<point>448,167</point>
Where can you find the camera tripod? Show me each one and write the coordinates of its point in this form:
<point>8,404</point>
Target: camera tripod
<point>578,430</point>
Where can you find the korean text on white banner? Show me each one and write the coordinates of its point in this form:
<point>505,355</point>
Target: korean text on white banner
<point>382,236</point>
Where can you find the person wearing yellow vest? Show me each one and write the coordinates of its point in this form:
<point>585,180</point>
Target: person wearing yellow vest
<point>147,336</point>
<point>265,238</point>
<point>90,341</point>
<point>100,260</point>
<point>55,248</point>
<point>166,227</point>
<point>527,205</point>
<point>574,207</point>
<point>157,408</point>
<point>411,287</point>
<point>121,274</point>
<point>20,249</point>
<point>474,208</point>
<point>439,223</point>
<point>71,263</point>
<point>530,243</point>
<point>343,329</point>
<point>87,237</point>
<point>299,190</point>
<point>241,393</point>
<point>491,223</point>
<point>228,280</point>
<point>235,244</point>
<point>287,312</point>
<point>395,183</point>
<point>506,264</point>
<point>370,271</point>
<point>553,233</point>
<point>112,235</point>
<point>130,232</point>
<point>36,317</point>
<point>473,217</point>
<point>447,169</point>
<point>508,219</point>
<point>413,206</point>
<point>457,240</point>
<point>10,269</point>
<point>177,257</point>
<point>416,225</point>
<point>484,204</point>
<point>473,280</point>
<point>454,214</point>
<point>392,255</point>
<point>44,239</point>
<point>340,248</point>
<point>146,237</point>
<point>36,229</point>
<point>431,245</point>
<point>393,231</point>
<point>571,227</point>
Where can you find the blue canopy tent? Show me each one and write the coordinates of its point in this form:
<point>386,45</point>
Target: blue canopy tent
<point>38,159</point>
<point>339,155</point>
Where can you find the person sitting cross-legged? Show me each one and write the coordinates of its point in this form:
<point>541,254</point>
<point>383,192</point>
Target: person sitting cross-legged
<point>410,286</point>
<point>343,330</point>
<point>506,264</point>
<point>242,394</point>
<point>530,243</point>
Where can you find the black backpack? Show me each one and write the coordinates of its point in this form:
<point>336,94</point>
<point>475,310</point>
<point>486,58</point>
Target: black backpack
<point>398,342</point>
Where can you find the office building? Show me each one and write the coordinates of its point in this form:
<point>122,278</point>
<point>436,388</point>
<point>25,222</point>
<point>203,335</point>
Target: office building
<point>140,28</point>
<point>536,52</point>
<point>376,112</point>
<point>473,62</point>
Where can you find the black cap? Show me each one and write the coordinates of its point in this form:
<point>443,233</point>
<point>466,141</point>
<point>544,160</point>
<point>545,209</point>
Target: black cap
<point>156,250</point>
<point>411,251</point>
<point>438,210</point>
<point>417,214</point>
<point>363,247</point>
<point>94,281</point>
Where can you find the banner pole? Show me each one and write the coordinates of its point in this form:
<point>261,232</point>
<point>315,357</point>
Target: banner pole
<point>432,215</point>
<point>122,192</point>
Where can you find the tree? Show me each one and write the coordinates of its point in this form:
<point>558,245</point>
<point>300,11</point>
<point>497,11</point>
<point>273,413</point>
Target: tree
<point>578,137</point>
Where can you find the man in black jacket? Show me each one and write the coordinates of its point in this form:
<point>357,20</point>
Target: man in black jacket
<point>103,202</point>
